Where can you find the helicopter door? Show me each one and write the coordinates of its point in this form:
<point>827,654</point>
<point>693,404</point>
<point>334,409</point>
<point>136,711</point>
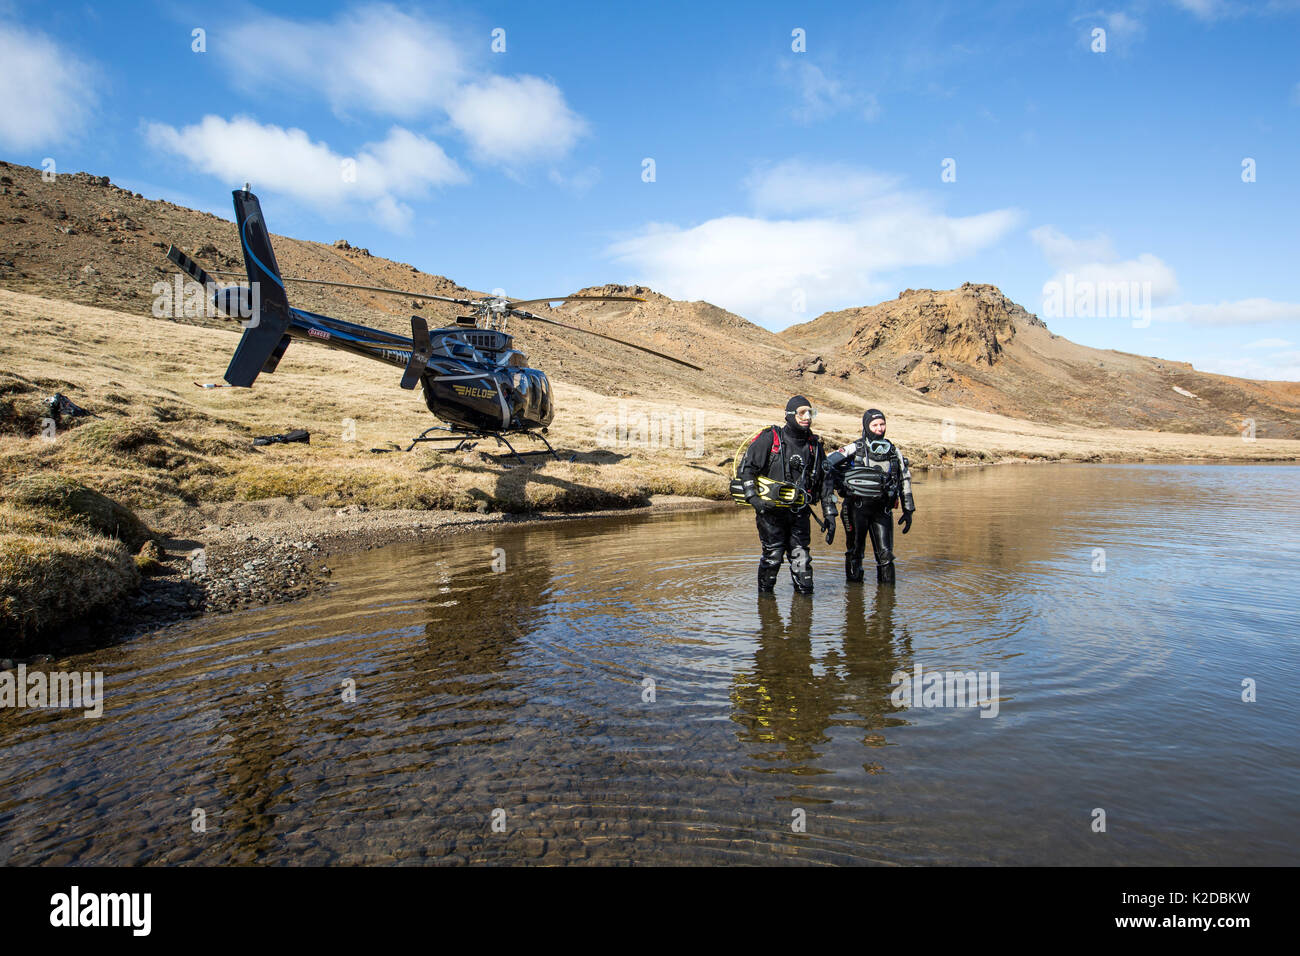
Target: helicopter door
<point>475,401</point>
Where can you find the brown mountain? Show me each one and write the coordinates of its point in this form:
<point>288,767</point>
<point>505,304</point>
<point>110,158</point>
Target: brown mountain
<point>973,347</point>
<point>82,239</point>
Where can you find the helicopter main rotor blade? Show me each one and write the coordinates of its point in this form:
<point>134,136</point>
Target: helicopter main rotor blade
<point>368,288</point>
<point>577,298</point>
<point>510,307</point>
<point>564,325</point>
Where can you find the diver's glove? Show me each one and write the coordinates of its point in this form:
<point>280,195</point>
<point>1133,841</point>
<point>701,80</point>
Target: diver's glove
<point>758,504</point>
<point>830,513</point>
<point>906,521</point>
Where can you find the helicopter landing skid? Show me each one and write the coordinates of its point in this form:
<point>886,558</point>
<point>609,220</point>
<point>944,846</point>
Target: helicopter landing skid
<point>468,440</point>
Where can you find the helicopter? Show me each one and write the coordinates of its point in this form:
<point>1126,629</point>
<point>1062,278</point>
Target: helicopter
<point>473,378</point>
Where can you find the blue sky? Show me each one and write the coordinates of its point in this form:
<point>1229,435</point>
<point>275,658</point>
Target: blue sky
<point>1086,183</point>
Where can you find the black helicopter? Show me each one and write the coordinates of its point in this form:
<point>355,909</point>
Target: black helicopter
<point>473,377</point>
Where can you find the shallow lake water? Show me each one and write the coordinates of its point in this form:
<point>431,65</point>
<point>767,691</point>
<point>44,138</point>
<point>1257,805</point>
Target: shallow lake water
<point>617,693</point>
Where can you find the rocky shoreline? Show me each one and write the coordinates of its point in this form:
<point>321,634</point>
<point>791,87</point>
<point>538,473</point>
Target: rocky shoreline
<point>221,558</point>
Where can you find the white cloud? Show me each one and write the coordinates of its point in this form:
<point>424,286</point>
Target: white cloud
<point>393,215</point>
<point>381,60</point>
<point>1122,29</point>
<point>1122,25</point>
<point>823,96</point>
<point>1241,312</point>
<point>240,150</point>
<point>1210,10</point>
<point>578,183</point>
<point>1094,262</point>
<point>1205,9</point>
<point>851,232</point>
<point>1062,251</point>
<point>1146,268</point>
<point>794,187</point>
<point>374,58</point>
<point>47,92</point>
<point>1268,344</point>
<point>514,120</point>
<point>1285,367</point>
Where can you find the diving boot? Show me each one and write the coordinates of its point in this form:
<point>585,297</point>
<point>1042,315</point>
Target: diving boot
<point>885,573</point>
<point>852,569</point>
<point>801,574</point>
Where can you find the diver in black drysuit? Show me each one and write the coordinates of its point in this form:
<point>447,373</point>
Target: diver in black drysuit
<point>789,453</point>
<point>872,475</point>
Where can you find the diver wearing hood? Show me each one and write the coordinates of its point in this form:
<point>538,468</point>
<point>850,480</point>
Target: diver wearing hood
<point>873,476</point>
<point>788,456</point>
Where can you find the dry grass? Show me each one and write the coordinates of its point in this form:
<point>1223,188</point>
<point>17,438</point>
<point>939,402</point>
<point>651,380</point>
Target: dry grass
<point>159,442</point>
<point>46,582</point>
<point>65,550</point>
<point>20,411</point>
<point>55,501</point>
<point>56,566</point>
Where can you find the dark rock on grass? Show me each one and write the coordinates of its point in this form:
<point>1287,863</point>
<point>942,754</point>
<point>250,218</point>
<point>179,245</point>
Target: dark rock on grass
<point>149,560</point>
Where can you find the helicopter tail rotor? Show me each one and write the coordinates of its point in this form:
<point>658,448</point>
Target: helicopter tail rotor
<point>421,352</point>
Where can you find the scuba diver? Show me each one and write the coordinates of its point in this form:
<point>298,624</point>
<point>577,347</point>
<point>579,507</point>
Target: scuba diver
<point>872,475</point>
<point>781,475</point>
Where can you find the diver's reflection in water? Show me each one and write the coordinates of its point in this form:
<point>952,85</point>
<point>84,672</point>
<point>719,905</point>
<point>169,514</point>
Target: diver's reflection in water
<point>477,621</point>
<point>875,644</point>
<point>782,704</point>
<point>259,733</point>
<point>786,702</point>
<point>874,647</point>
<point>478,614</point>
